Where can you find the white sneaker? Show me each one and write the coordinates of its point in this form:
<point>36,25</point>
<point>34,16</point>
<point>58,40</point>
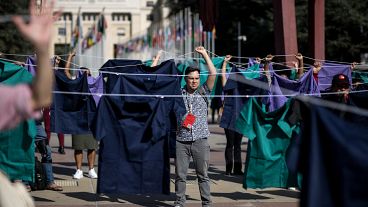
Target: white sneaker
<point>292,188</point>
<point>92,173</point>
<point>78,174</point>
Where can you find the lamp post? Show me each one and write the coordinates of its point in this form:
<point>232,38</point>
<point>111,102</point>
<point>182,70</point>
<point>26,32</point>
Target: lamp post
<point>240,39</point>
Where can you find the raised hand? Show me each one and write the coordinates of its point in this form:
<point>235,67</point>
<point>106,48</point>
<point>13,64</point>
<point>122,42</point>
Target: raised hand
<point>201,50</point>
<point>227,58</point>
<point>299,56</point>
<point>269,58</point>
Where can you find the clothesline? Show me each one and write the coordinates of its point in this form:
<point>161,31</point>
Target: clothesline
<point>154,74</point>
<point>173,75</point>
<point>286,69</point>
<point>209,96</point>
<point>97,69</point>
<point>280,55</point>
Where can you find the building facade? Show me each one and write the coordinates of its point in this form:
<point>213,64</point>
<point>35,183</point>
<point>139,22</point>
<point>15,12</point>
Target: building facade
<point>125,19</point>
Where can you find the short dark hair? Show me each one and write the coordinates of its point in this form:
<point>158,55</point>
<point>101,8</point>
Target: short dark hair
<point>191,69</point>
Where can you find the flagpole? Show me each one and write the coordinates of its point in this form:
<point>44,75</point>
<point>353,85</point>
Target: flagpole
<point>79,42</point>
<point>102,39</point>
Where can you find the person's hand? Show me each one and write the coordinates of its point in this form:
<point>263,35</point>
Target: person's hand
<point>269,58</point>
<point>39,29</point>
<point>72,53</point>
<point>227,58</point>
<point>57,60</point>
<point>299,56</point>
<point>295,64</point>
<point>352,66</point>
<point>257,60</point>
<point>20,63</point>
<point>317,66</point>
<point>201,50</point>
<point>87,71</point>
<point>157,56</point>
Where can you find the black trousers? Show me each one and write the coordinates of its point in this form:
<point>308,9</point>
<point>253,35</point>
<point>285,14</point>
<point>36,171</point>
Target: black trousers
<point>233,151</point>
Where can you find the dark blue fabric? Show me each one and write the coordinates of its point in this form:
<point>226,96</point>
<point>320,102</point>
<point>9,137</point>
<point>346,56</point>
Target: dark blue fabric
<point>71,113</point>
<point>333,158</point>
<point>237,84</point>
<point>134,132</point>
<point>116,66</point>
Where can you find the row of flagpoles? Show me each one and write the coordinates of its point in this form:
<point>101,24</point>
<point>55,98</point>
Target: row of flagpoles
<point>92,37</point>
<point>179,34</point>
<point>90,45</point>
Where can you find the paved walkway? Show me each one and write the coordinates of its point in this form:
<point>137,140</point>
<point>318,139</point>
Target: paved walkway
<point>226,191</point>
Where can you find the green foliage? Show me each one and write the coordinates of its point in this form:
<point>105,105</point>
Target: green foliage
<point>11,42</point>
<point>346,27</point>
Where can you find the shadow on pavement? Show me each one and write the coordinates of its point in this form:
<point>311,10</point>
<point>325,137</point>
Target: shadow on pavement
<point>239,196</point>
<point>91,197</point>
<point>35,198</point>
<point>63,170</point>
<point>145,200</point>
<point>286,193</point>
<point>216,174</point>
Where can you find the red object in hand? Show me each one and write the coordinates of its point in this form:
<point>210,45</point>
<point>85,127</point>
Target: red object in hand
<point>189,121</point>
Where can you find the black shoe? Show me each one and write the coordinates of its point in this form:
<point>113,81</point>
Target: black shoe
<point>238,173</point>
<point>228,174</point>
<point>61,150</point>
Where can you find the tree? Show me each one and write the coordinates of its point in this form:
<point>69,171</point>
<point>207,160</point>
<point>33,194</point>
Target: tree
<point>346,29</point>
<point>11,42</point>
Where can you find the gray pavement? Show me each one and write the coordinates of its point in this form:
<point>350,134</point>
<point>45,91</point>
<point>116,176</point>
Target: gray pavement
<point>226,191</point>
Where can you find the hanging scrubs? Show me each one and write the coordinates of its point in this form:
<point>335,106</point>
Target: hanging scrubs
<point>269,135</point>
<point>134,131</point>
<point>17,145</point>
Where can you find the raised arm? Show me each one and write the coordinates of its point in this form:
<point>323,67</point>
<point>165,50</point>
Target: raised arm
<point>156,58</point>
<point>299,57</point>
<point>212,70</point>
<point>39,31</point>
<point>68,63</point>
<point>268,60</point>
<point>223,70</point>
<point>317,66</point>
<point>353,65</point>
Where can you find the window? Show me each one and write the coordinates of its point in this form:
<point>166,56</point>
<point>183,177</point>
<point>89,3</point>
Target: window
<point>150,17</point>
<point>90,16</point>
<point>150,4</point>
<point>66,17</point>
<point>62,31</point>
<point>61,48</point>
<point>121,32</point>
<point>121,16</point>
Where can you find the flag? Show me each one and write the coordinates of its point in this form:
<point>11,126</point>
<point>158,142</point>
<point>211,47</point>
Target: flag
<point>77,32</point>
<point>101,27</point>
<point>96,33</point>
<point>90,38</point>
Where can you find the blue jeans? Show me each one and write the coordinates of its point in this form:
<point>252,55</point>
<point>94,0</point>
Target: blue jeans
<point>45,151</point>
